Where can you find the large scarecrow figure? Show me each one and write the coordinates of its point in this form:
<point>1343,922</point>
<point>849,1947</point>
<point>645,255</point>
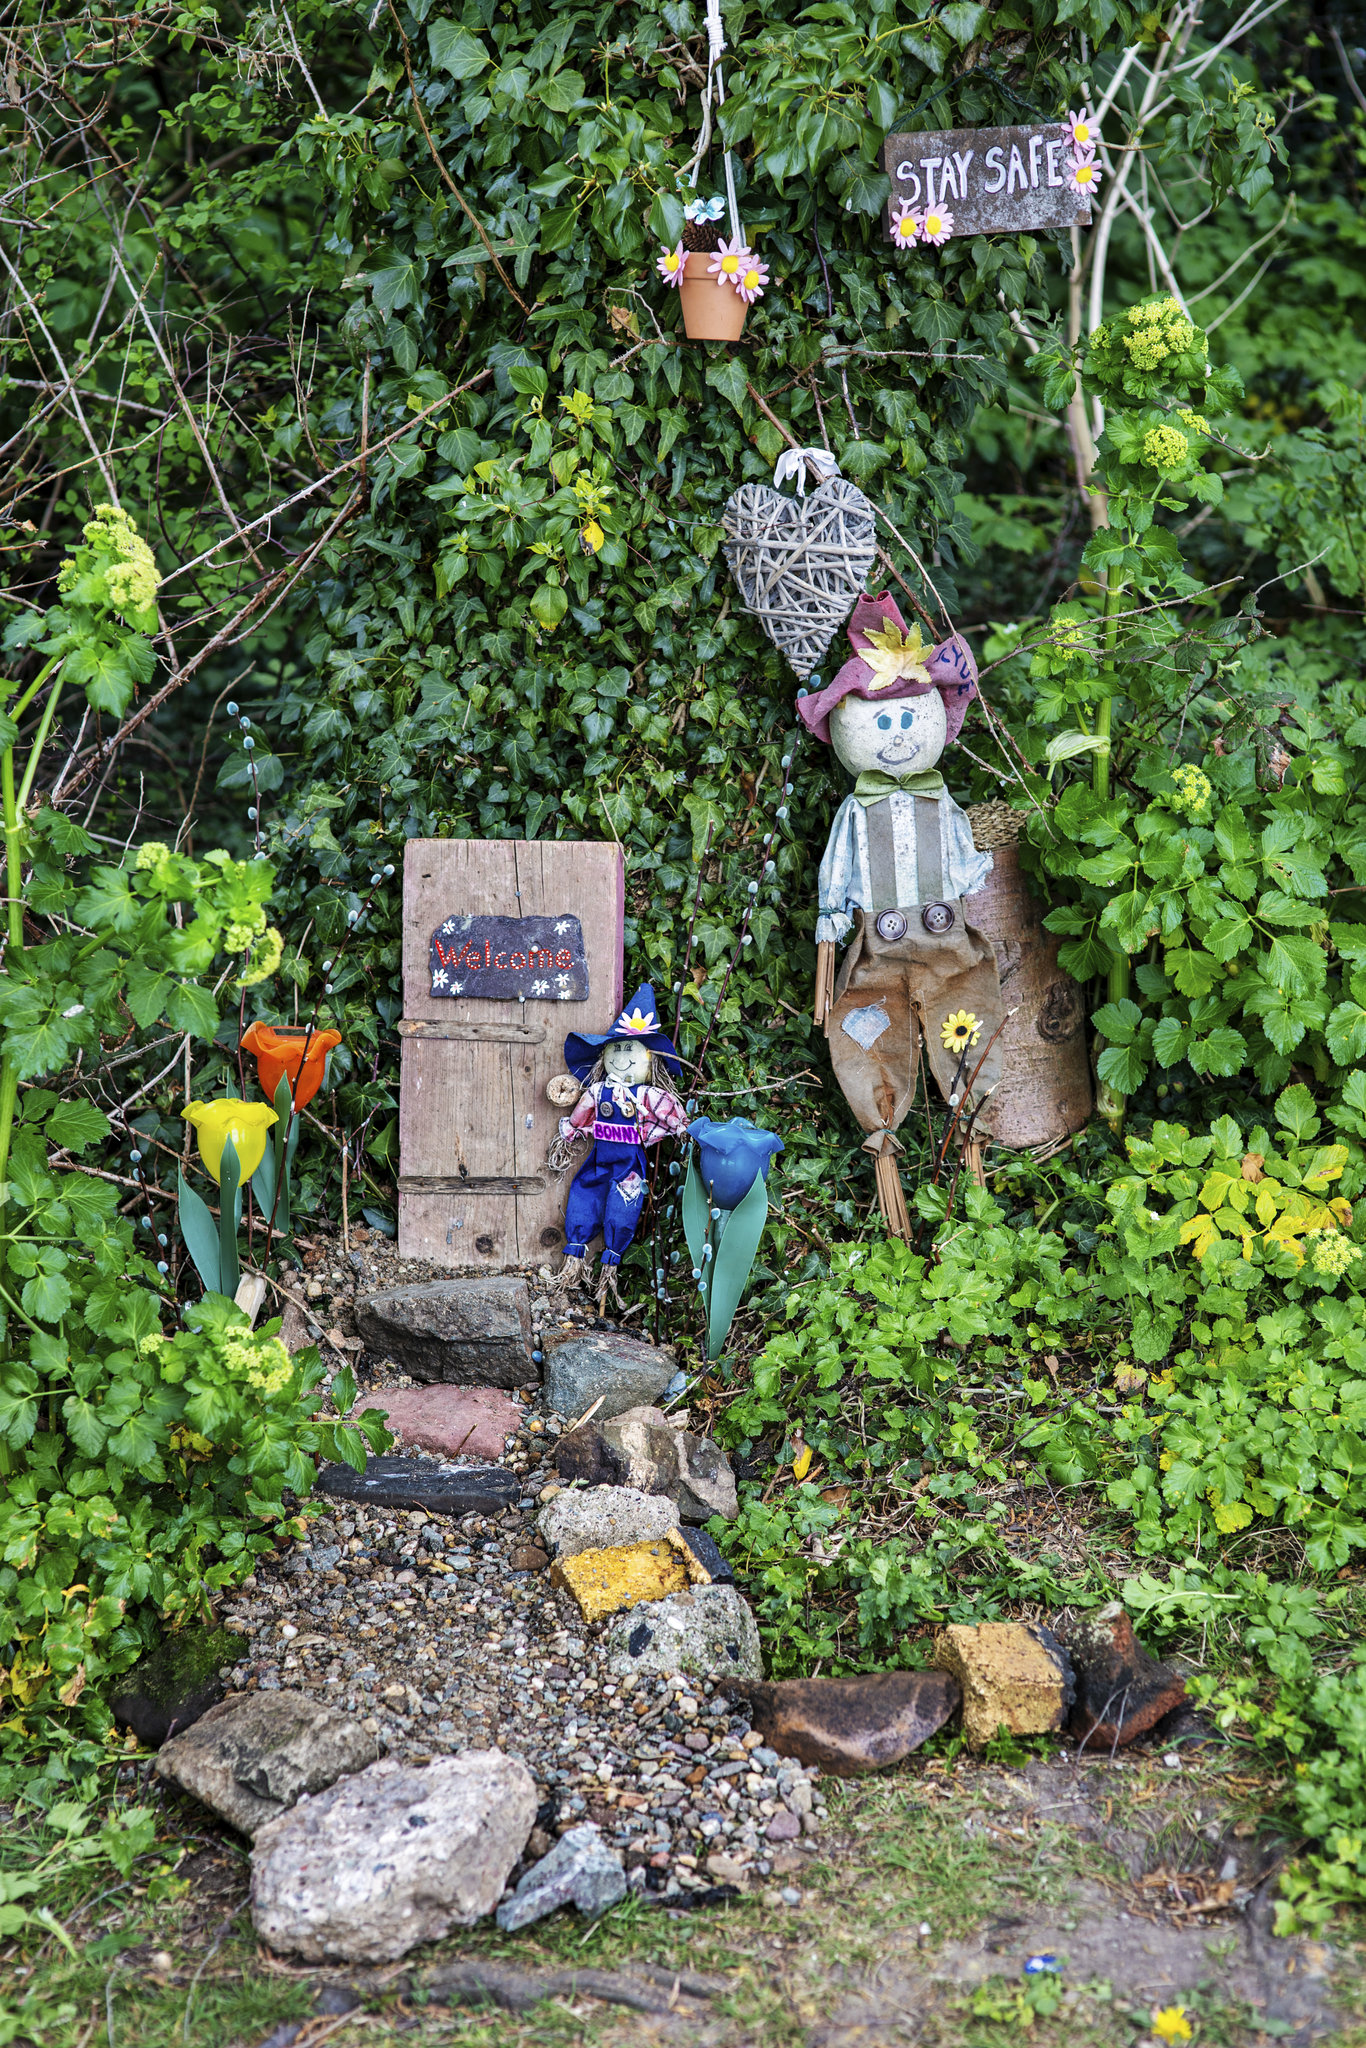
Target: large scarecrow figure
<point>898,863</point>
<point>628,1103</point>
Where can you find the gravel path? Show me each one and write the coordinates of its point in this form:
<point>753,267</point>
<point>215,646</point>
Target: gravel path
<point>424,1628</point>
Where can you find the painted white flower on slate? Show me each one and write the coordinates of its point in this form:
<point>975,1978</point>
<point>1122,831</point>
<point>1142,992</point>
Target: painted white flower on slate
<point>540,988</point>
<point>440,978</point>
<point>562,925</point>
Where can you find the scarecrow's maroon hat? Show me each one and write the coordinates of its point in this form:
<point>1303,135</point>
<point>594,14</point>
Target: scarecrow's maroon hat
<point>950,667</point>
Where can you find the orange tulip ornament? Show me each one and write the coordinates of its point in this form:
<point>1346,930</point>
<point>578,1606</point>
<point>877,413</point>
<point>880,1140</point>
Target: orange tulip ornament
<point>287,1050</point>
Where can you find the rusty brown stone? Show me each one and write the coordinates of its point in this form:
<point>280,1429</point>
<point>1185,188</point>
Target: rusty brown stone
<point>850,1726</point>
<point>1122,1692</point>
<point>1044,1092</point>
<point>529,1557</point>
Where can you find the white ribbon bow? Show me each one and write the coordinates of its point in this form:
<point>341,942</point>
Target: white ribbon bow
<point>791,467</point>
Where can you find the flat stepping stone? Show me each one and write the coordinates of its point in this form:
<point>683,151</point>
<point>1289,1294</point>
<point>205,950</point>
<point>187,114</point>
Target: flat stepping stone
<point>413,1483</point>
<point>454,1422</point>
<point>469,1332</point>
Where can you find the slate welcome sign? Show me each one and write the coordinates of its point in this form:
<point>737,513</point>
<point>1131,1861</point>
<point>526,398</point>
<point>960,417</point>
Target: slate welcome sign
<point>510,959</point>
<point>994,181</point>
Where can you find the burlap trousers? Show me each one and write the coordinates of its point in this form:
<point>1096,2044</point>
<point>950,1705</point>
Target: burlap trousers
<point>894,995</point>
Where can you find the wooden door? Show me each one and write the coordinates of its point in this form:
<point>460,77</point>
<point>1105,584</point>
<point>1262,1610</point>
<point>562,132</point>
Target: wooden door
<point>474,1124</point>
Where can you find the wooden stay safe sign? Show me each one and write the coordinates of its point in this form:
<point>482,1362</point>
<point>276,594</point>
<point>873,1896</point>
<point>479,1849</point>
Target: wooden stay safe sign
<point>993,181</point>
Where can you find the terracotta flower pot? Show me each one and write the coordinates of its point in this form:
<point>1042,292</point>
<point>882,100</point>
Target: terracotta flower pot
<point>711,311</point>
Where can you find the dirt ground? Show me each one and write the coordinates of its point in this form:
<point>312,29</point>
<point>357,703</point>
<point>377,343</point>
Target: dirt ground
<point>1147,1880</point>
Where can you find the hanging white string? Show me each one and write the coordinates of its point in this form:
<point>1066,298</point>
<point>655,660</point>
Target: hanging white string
<point>716,49</point>
<point>794,464</point>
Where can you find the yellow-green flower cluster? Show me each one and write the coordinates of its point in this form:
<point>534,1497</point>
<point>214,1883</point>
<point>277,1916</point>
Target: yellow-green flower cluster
<point>130,575</point>
<point>1193,790</point>
<point>262,1362</point>
<point>1159,330</point>
<point>1333,1253</point>
<point>1196,421</point>
<point>269,948</point>
<point>1165,448</point>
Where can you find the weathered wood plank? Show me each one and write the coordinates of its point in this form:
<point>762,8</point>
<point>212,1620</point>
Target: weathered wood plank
<point>480,1034</point>
<point>477,1099</point>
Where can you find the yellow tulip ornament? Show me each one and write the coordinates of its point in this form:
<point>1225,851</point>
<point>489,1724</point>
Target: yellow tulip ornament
<point>231,1136</point>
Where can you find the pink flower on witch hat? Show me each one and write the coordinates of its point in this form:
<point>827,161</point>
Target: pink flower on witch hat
<point>751,280</point>
<point>905,224</point>
<point>670,265</point>
<point>936,227</point>
<point>1082,129</point>
<point>729,260</point>
<point>1084,175</point>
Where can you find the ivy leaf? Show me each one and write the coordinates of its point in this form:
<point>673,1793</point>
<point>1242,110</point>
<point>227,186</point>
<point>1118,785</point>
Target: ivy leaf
<point>455,50</point>
<point>396,280</point>
<point>562,92</point>
<point>729,379</point>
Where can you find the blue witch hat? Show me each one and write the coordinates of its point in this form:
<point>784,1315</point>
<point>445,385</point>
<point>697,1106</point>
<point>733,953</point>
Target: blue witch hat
<point>639,1020</point>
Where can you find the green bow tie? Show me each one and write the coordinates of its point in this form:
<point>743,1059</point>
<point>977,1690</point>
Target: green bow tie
<point>874,784</point>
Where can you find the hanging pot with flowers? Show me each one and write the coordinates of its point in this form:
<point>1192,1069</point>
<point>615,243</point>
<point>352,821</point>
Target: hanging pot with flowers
<point>717,276</point>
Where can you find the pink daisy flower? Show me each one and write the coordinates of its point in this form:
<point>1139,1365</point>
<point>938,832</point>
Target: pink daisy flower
<point>751,280</point>
<point>936,226</point>
<point>670,264</point>
<point>727,262</point>
<point>1081,129</point>
<point>1084,175</point>
<point>905,225</point>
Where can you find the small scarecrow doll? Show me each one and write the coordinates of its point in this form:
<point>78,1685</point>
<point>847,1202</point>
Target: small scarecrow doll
<point>628,1103</point>
<point>898,863</point>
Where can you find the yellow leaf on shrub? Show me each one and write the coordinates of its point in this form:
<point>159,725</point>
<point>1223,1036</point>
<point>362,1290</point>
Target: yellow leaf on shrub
<point>1199,1232</point>
<point>801,1464</point>
<point>1230,1516</point>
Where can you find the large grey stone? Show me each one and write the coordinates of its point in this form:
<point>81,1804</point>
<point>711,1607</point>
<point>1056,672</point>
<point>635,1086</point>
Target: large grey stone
<point>382,1861</point>
<point>620,1371</point>
<point>254,1755</point>
<point>580,1871</point>
<point>476,1333</point>
<point>602,1517</point>
<point>707,1632</point>
<point>691,1470</point>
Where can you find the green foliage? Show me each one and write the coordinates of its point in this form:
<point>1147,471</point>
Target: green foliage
<point>165,1469</point>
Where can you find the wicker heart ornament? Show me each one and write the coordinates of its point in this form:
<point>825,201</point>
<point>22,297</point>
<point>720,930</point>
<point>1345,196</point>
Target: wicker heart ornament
<point>800,562</point>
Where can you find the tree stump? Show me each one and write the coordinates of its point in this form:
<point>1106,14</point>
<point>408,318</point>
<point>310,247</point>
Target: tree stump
<point>1044,1094</point>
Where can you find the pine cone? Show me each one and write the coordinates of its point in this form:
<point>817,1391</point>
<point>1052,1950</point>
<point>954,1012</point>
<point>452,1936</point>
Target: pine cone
<point>702,237</point>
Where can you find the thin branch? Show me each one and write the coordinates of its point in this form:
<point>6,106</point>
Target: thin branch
<point>449,181</point>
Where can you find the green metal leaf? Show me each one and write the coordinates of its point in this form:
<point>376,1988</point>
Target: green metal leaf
<point>695,1207</point>
<point>229,1210</point>
<point>200,1233</point>
<point>732,1262</point>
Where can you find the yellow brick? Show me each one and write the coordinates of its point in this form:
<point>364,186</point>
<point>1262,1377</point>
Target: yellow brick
<point>605,1581</point>
<point>1013,1677</point>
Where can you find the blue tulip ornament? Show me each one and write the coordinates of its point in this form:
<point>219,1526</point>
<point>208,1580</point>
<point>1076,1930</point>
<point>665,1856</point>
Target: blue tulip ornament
<point>725,1207</point>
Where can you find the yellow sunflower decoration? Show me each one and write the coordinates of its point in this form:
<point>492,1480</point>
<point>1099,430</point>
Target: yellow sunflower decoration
<point>959,1031</point>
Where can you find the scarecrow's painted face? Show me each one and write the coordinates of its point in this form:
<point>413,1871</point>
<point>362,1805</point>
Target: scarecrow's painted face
<point>898,735</point>
<point>627,1060</point>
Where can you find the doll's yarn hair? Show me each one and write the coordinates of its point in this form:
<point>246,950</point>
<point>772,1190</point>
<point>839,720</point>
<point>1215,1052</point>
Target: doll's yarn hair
<point>561,1153</point>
